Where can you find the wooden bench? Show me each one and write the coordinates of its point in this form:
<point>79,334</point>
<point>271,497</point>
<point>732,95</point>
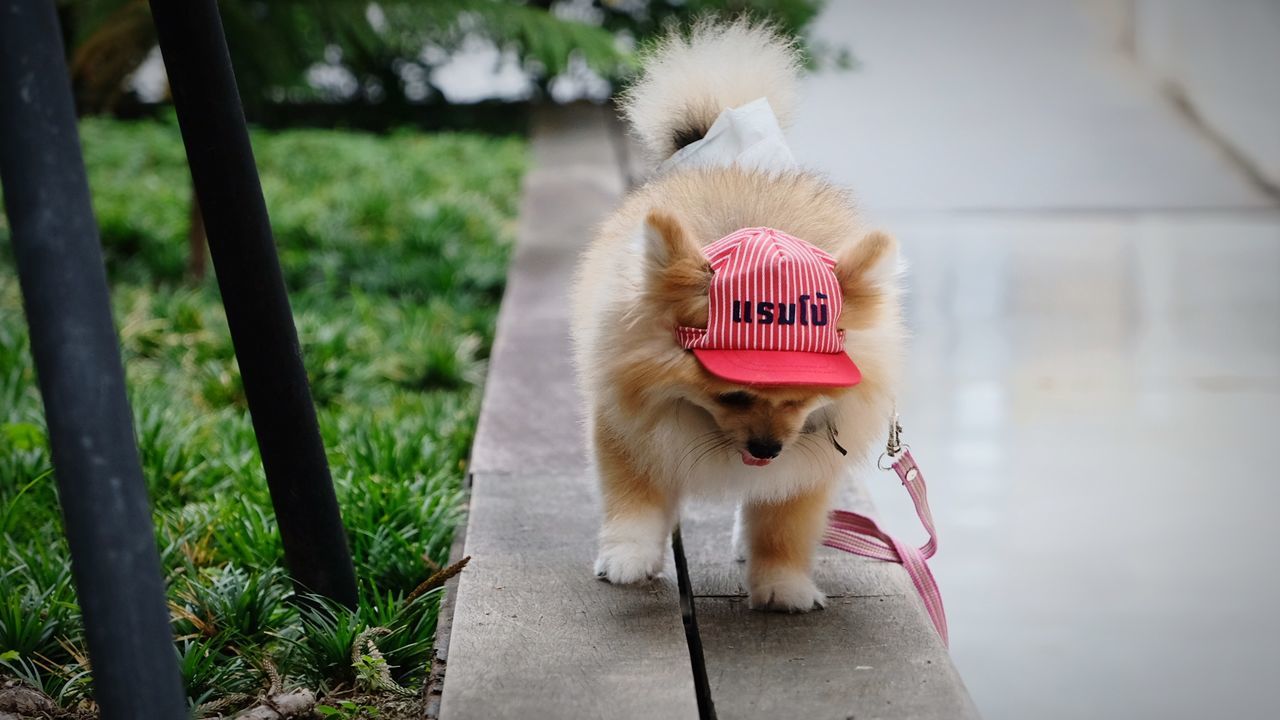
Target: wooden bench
<point>534,634</point>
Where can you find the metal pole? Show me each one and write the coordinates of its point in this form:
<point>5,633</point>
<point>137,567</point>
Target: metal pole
<point>244,258</point>
<point>103,496</point>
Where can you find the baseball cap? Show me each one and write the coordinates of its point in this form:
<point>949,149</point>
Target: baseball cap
<point>774,305</point>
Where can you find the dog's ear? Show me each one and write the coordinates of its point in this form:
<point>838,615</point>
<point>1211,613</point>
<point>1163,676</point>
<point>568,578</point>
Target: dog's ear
<point>666,242</point>
<point>677,273</point>
<point>868,272</point>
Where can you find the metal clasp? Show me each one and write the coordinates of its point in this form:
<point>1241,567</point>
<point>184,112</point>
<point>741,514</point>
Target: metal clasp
<point>894,447</point>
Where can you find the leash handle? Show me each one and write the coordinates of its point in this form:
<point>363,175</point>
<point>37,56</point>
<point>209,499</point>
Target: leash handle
<point>860,535</point>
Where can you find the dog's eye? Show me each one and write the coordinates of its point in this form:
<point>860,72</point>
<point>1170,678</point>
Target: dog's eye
<point>737,399</point>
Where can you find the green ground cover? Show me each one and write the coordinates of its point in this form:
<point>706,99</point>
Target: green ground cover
<point>394,249</point>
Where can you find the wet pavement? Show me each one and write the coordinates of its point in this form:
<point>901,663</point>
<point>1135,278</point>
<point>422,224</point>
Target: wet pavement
<point>1094,387</point>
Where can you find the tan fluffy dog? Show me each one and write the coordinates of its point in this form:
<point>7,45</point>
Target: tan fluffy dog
<point>663,428</point>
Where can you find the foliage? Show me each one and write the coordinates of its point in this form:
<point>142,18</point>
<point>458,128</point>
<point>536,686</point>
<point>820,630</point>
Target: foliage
<point>274,44</point>
<point>642,19</point>
<point>388,50</point>
<point>347,710</point>
<point>394,250</point>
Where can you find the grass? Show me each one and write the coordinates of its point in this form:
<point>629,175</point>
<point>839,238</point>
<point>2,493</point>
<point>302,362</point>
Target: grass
<point>394,250</point>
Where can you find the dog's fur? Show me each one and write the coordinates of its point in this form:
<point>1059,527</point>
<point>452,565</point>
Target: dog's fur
<point>661,427</point>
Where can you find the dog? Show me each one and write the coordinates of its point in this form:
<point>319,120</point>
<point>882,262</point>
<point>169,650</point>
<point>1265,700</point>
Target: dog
<point>736,329</point>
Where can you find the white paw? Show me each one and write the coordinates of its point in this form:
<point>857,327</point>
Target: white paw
<point>787,592</point>
<point>622,563</point>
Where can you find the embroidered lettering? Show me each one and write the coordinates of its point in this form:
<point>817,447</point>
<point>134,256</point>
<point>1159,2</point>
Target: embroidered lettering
<point>786,313</point>
<point>765,311</point>
<point>820,319</point>
<point>813,310</point>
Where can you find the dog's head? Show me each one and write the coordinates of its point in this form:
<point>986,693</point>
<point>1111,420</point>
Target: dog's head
<point>759,421</point>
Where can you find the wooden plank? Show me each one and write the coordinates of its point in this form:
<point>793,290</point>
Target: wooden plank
<point>872,653</point>
<point>534,633</point>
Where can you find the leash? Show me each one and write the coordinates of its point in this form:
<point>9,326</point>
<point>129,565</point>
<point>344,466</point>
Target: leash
<point>860,535</point>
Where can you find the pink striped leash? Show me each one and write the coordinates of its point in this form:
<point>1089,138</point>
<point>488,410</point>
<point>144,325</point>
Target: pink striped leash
<point>860,535</point>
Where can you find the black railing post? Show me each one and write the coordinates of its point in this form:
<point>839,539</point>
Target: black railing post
<point>244,258</point>
<point>104,498</point>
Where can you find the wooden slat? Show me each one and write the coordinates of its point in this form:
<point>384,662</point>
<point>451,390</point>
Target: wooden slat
<point>871,653</point>
<point>534,634</point>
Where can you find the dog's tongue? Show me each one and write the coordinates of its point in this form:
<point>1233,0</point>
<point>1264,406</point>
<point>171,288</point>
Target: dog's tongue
<point>749,459</point>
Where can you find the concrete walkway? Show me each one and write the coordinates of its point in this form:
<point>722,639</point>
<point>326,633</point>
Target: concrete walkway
<point>1095,383</point>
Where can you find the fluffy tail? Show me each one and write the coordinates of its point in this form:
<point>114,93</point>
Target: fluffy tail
<point>688,79</point>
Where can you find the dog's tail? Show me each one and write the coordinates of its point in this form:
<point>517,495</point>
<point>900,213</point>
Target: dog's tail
<point>686,80</point>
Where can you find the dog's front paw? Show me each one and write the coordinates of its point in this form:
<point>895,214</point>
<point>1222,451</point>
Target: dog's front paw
<point>787,591</point>
<point>622,563</point>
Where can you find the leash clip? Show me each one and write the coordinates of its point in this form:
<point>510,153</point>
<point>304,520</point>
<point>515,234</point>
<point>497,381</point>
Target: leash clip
<point>895,446</point>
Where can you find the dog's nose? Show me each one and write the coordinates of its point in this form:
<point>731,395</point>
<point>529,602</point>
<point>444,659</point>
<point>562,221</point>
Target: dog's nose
<point>764,448</point>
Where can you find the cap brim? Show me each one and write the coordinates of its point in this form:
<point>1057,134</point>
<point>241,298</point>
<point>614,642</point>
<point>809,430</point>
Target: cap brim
<point>780,367</point>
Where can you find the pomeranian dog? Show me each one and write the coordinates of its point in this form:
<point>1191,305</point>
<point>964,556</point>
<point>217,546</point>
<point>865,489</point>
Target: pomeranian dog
<point>736,329</point>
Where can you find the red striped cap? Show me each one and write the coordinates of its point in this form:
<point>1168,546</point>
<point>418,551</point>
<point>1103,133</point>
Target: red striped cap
<point>774,303</point>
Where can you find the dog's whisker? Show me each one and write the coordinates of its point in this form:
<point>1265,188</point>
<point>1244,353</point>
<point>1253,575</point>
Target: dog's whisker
<point>811,449</point>
<point>725,444</point>
<point>707,450</point>
<point>701,444</point>
<point>718,442</point>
